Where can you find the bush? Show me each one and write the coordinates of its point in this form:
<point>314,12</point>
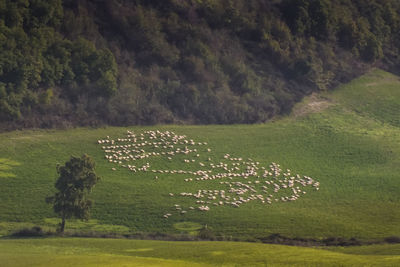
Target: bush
<point>392,239</point>
<point>340,241</point>
<point>206,233</point>
<point>35,231</point>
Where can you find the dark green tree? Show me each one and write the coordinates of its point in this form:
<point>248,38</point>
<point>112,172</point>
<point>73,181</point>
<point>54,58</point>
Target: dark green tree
<point>75,182</point>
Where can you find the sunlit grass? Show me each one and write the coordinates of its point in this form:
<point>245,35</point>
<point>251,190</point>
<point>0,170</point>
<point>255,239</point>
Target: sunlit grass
<point>111,252</point>
<point>351,149</point>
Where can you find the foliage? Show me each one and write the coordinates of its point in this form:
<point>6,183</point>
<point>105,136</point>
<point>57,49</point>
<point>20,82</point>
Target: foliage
<point>75,182</point>
<point>392,239</point>
<point>147,62</point>
<point>206,233</point>
<point>34,57</point>
<point>35,231</point>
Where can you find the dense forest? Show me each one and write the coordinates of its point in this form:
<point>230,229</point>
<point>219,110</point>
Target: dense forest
<point>120,62</point>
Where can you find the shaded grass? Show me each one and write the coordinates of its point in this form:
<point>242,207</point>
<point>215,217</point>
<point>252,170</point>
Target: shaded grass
<point>351,148</point>
<point>89,226</point>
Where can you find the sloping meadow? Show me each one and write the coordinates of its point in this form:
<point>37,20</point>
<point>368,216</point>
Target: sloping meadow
<point>333,172</point>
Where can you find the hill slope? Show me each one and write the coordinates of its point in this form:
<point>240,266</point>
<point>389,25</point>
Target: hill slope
<point>65,63</point>
<point>350,148</point>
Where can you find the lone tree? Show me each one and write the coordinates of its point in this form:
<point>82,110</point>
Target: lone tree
<point>76,180</point>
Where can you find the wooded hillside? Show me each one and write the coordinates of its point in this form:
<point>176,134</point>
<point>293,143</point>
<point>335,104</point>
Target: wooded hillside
<point>66,63</point>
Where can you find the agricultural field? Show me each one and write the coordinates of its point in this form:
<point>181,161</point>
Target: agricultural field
<point>330,169</point>
<point>119,252</point>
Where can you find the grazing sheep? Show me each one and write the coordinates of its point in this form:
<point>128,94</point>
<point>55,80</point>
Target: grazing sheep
<point>151,144</point>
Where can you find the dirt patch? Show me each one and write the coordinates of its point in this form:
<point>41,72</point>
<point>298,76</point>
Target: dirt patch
<point>26,137</point>
<point>372,84</point>
<point>312,104</point>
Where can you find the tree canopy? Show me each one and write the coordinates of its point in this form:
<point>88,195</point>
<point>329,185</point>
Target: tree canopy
<point>75,182</point>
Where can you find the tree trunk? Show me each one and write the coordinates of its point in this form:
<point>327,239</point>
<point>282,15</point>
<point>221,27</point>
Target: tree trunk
<point>62,226</point>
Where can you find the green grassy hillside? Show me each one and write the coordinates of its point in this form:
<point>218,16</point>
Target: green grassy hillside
<point>109,252</point>
<point>348,141</point>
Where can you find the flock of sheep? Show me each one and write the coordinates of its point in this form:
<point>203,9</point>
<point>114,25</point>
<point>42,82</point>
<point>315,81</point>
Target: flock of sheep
<point>239,180</point>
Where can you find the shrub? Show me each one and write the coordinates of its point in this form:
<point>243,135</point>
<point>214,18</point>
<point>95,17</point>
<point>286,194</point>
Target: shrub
<point>206,233</point>
<point>392,239</point>
<point>35,231</point>
<point>340,241</point>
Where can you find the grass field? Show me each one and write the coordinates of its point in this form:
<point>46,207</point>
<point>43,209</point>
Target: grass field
<point>111,252</point>
<point>348,141</point>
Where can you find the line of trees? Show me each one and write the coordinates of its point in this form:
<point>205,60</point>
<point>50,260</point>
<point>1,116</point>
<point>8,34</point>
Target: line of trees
<point>65,63</point>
